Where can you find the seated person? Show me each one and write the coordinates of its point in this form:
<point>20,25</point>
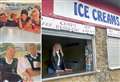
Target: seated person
<point>13,20</point>
<point>23,19</point>
<point>35,16</point>
<point>57,64</point>
<point>29,26</point>
<point>9,66</point>
<point>9,62</point>
<point>3,20</point>
<point>29,66</point>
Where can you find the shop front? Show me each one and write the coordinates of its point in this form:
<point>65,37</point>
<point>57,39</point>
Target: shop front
<point>78,43</point>
<point>80,31</point>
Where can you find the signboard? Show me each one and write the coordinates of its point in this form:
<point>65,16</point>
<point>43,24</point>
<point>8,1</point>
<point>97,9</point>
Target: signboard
<point>56,24</point>
<point>113,33</point>
<point>78,10</point>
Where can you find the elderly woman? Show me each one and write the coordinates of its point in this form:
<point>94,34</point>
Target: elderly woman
<point>57,64</point>
<point>29,66</point>
<point>8,67</point>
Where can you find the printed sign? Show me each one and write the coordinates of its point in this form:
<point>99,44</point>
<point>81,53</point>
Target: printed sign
<point>76,9</point>
<point>113,33</point>
<point>51,23</point>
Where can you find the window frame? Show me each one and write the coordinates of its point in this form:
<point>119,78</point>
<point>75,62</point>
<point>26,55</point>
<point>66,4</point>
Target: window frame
<point>72,35</point>
<point>110,67</point>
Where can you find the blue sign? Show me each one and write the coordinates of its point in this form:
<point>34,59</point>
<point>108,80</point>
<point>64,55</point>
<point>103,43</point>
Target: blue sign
<point>83,11</point>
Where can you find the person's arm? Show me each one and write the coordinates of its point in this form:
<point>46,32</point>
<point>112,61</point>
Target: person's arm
<point>20,23</point>
<point>64,65</point>
<point>21,69</point>
<point>33,73</point>
<point>55,66</point>
<point>36,29</point>
<point>26,76</point>
<point>53,63</point>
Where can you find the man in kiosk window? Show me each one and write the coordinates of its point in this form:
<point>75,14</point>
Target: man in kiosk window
<point>29,66</point>
<point>57,64</point>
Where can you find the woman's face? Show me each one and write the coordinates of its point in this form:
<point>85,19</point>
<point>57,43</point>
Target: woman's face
<point>10,52</point>
<point>14,17</point>
<point>4,18</point>
<point>33,50</point>
<point>24,17</point>
<point>57,47</point>
<point>35,15</point>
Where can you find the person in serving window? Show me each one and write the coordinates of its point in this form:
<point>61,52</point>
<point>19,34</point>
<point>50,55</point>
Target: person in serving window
<point>57,64</point>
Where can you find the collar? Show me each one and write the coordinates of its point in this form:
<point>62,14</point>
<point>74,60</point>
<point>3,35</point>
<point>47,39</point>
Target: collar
<point>34,57</point>
<point>8,62</point>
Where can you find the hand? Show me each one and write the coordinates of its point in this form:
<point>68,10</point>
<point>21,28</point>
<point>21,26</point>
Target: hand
<point>66,69</point>
<point>27,79</point>
<point>59,71</point>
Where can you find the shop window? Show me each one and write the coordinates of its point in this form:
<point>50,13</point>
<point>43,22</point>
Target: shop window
<point>77,54</point>
<point>113,46</point>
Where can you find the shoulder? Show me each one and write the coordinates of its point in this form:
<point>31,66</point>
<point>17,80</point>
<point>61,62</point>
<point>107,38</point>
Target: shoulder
<point>23,60</point>
<point>27,56</point>
<point>2,59</point>
<point>15,60</point>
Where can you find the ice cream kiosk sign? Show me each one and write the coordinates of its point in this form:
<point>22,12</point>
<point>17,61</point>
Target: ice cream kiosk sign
<point>81,11</point>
